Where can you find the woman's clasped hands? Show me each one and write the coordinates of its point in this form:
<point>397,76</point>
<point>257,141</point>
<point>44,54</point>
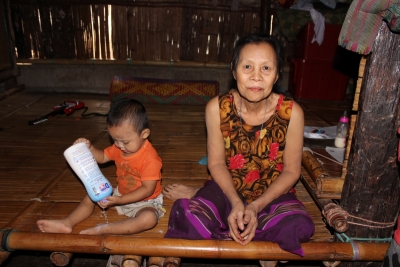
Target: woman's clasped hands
<point>242,222</point>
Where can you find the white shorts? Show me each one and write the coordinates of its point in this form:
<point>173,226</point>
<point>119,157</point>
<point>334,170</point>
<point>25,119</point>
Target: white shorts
<point>131,209</point>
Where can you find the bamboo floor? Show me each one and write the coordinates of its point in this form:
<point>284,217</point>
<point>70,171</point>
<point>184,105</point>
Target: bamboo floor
<point>37,183</point>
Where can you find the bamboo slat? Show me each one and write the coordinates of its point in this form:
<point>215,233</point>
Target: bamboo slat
<point>348,145</point>
<point>252,21</point>
<point>361,70</point>
<point>47,188</point>
<point>175,38</point>
<point>103,31</point>
<point>82,31</point>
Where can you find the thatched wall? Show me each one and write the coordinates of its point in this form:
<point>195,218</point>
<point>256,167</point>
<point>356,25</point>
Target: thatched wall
<point>175,30</point>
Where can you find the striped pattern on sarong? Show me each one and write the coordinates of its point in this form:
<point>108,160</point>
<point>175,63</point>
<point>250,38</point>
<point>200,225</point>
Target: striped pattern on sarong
<point>284,221</point>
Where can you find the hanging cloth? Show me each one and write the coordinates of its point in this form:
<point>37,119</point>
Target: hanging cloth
<point>363,21</point>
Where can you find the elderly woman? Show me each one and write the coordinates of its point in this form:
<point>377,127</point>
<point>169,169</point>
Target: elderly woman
<point>254,149</point>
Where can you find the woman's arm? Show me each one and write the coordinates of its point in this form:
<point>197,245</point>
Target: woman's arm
<point>216,151</point>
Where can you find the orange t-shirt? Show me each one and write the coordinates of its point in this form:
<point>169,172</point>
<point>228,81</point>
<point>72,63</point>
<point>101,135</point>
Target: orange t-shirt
<point>132,170</point>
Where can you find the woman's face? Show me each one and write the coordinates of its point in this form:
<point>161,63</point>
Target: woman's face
<point>256,71</point>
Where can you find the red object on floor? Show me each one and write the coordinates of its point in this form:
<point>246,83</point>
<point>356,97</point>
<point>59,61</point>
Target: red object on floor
<point>317,79</point>
<point>326,51</point>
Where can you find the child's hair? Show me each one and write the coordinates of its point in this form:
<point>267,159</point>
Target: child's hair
<point>128,109</point>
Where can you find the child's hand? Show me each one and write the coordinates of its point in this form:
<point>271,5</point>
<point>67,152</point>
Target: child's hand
<point>82,140</point>
<point>109,201</point>
<point>103,203</point>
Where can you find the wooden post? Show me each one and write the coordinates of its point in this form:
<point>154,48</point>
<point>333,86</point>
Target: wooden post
<point>265,16</point>
<point>372,186</point>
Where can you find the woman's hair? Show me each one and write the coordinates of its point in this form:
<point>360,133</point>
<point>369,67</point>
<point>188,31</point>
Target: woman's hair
<point>254,38</point>
<point>128,109</point>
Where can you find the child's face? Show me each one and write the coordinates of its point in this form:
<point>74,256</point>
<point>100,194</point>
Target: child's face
<point>127,139</point>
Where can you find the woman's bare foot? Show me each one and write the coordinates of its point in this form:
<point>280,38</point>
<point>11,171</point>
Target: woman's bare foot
<point>54,226</point>
<point>177,191</point>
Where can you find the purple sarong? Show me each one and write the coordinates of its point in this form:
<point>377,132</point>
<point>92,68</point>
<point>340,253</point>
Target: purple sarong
<point>284,221</point>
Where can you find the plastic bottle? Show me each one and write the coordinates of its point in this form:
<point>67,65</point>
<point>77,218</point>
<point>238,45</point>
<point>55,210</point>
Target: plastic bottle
<point>342,131</point>
<point>85,166</point>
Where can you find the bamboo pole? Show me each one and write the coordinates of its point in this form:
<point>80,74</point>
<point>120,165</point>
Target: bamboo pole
<point>131,261</point>
<point>156,262</point>
<point>172,262</point>
<point>60,258</point>
<point>210,249</point>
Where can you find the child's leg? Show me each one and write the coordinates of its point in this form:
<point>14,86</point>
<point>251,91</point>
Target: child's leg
<point>80,213</point>
<point>145,219</point>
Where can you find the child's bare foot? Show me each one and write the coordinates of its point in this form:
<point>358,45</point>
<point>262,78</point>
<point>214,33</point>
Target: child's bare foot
<point>54,226</point>
<point>177,191</point>
<point>97,230</point>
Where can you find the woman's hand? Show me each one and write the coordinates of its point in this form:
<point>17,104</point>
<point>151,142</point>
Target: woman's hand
<point>110,201</point>
<point>242,222</point>
<point>250,220</point>
<point>235,221</point>
<point>82,140</point>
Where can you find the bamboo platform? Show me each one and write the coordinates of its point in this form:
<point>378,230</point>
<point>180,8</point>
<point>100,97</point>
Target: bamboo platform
<point>37,183</point>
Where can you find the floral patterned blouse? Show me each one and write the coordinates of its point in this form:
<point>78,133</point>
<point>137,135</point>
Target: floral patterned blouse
<point>254,156</point>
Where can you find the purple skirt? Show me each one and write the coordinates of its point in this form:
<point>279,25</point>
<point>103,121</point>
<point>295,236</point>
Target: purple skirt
<point>284,221</point>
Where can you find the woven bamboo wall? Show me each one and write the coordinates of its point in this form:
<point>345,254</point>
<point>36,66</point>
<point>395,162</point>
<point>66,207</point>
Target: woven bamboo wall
<point>199,31</point>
